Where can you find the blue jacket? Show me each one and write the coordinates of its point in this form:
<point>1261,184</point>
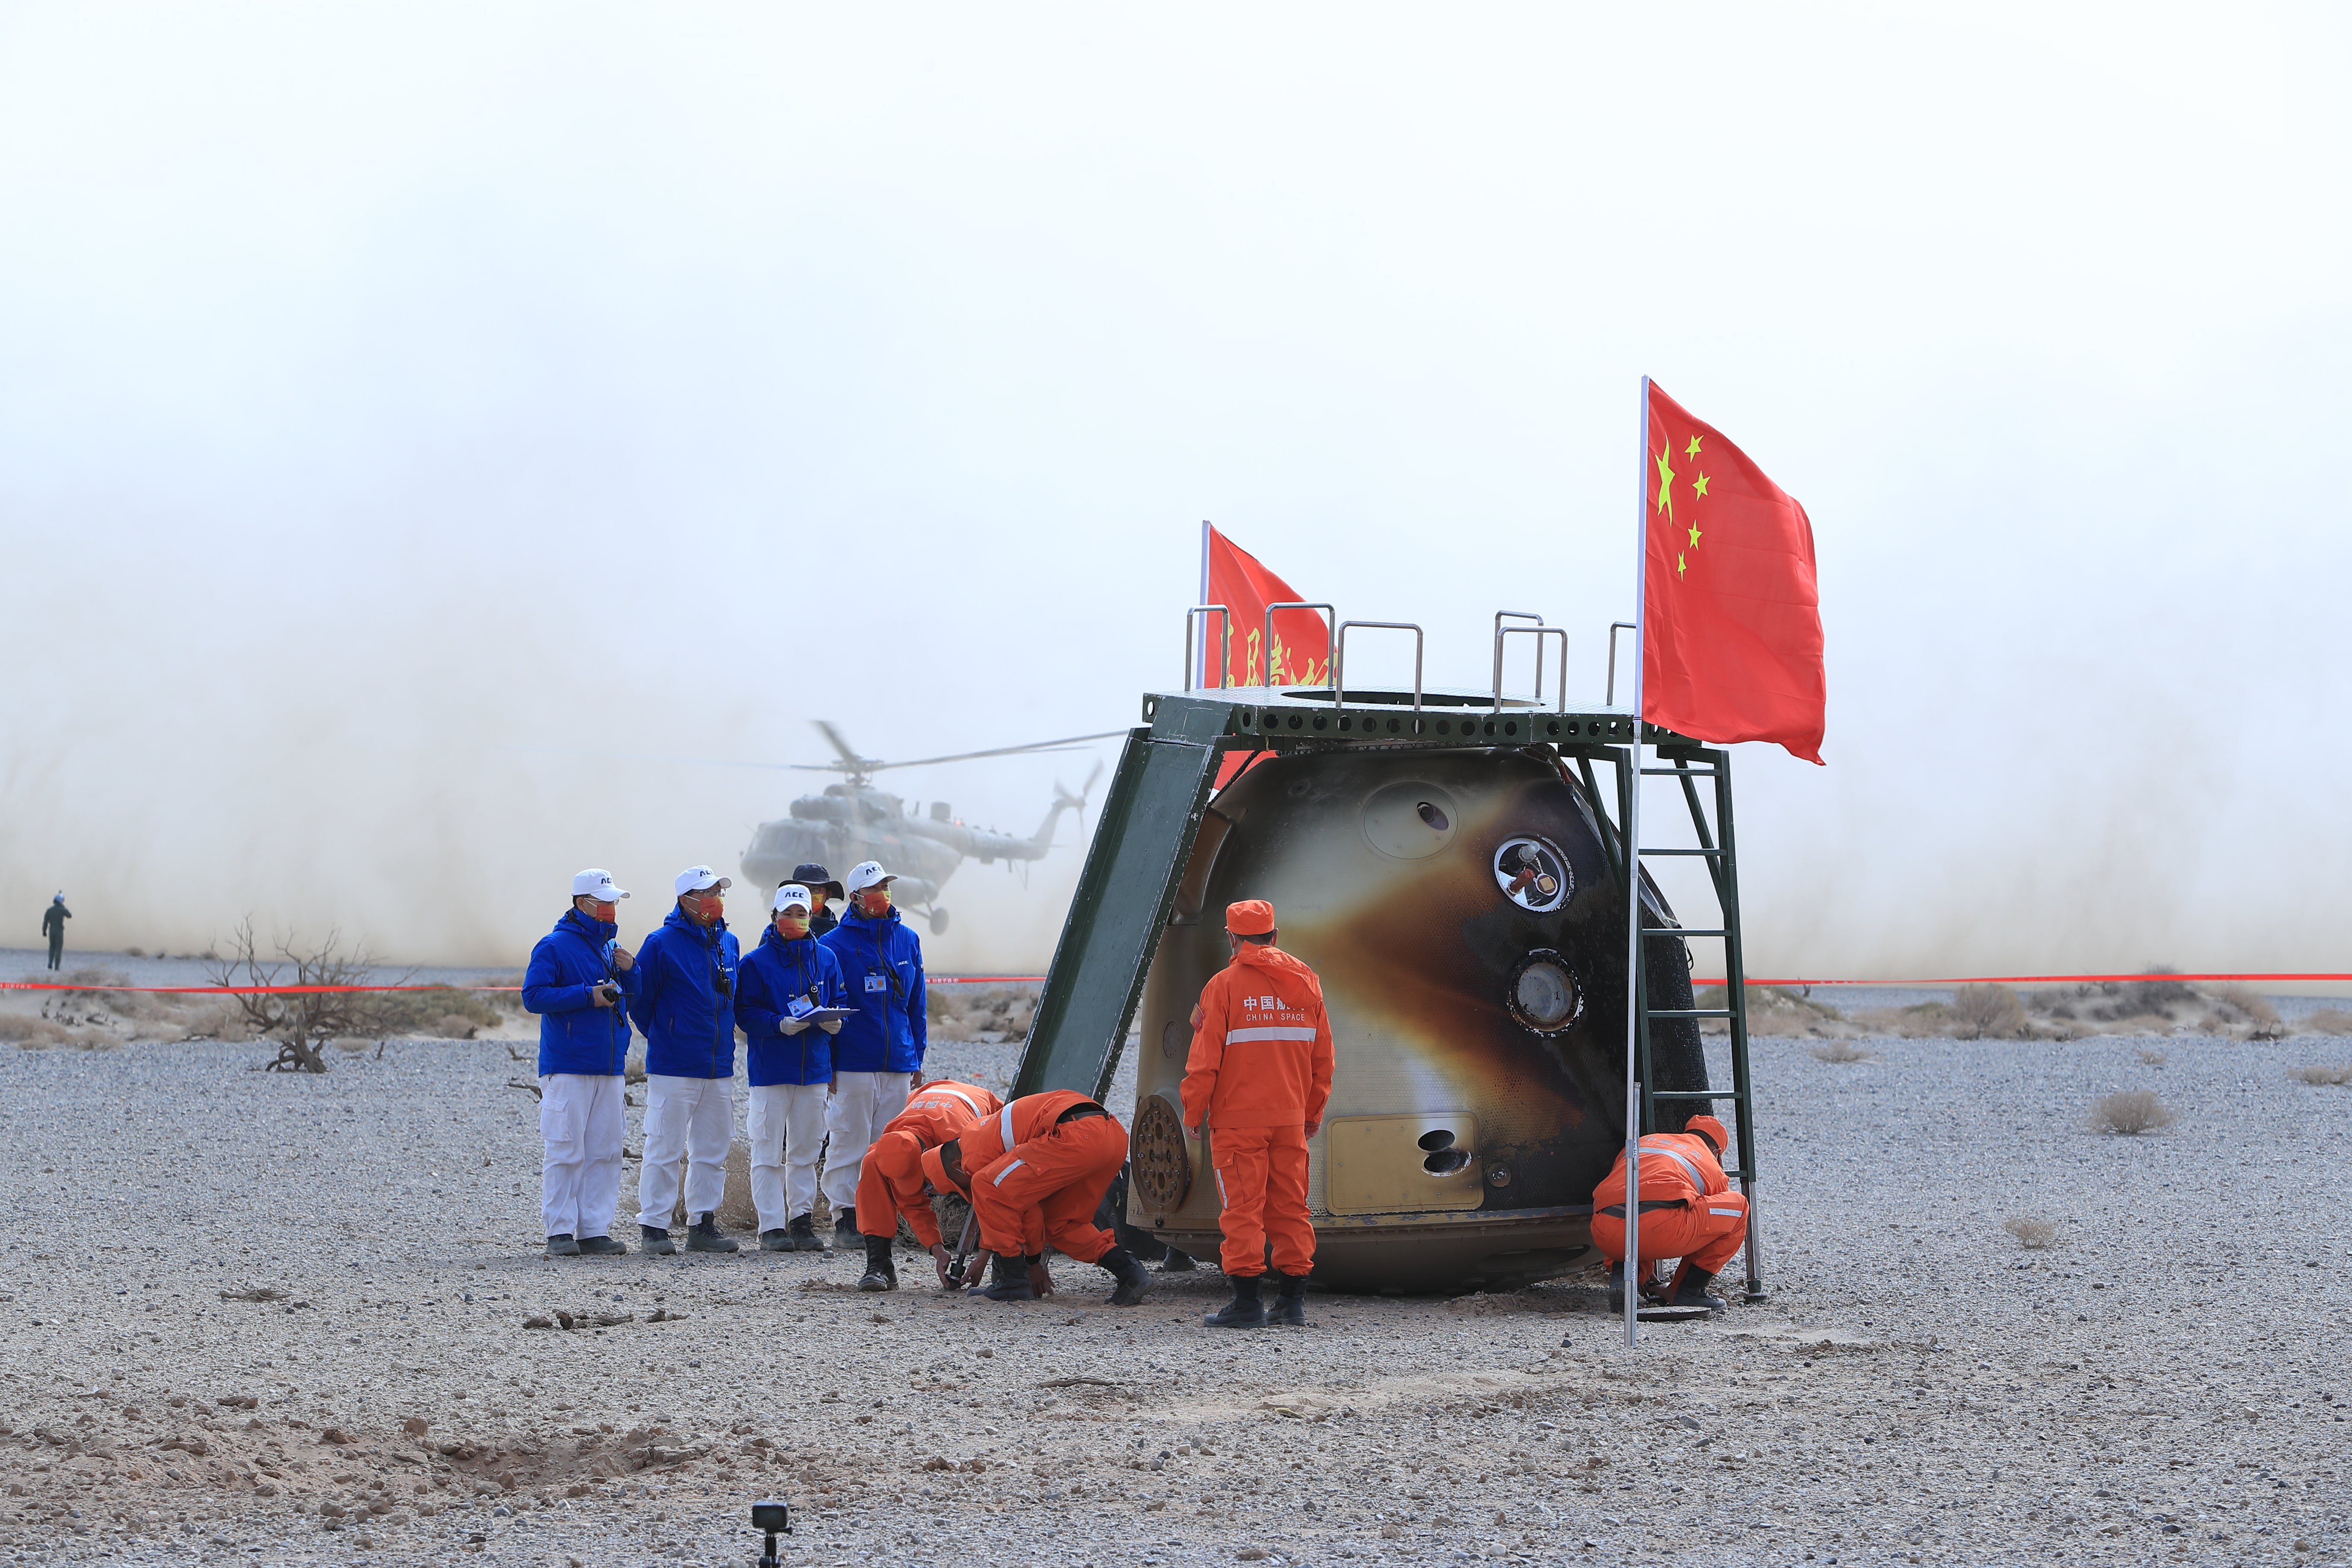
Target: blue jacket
<point>882,964</point>
<point>574,1034</point>
<point>777,972</point>
<point>684,998</point>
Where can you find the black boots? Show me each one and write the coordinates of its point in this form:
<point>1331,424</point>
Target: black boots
<point>657,1243</point>
<point>1127,1269</point>
<point>881,1273</point>
<point>1244,1310</point>
<point>563,1245</point>
<point>602,1246</point>
<point>1690,1290</point>
<point>1176,1262</point>
<point>777,1241</point>
<point>802,1231</point>
<point>845,1231</point>
<point>1290,1306</point>
<point>1008,1280</point>
<point>1617,1289</point>
<point>704,1235</point>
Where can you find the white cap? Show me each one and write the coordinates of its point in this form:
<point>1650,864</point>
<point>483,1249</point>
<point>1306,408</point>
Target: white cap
<point>594,883</point>
<point>867,874</point>
<point>793,893</point>
<point>698,878</point>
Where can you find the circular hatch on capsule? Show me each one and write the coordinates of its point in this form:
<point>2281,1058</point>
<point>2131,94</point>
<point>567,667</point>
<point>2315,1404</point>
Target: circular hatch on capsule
<point>1410,820</point>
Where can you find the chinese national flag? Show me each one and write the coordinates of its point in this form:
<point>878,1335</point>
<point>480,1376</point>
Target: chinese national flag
<point>1731,633</point>
<point>1232,577</point>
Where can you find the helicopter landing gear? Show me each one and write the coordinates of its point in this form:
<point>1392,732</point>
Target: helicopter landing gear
<point>937,919</point>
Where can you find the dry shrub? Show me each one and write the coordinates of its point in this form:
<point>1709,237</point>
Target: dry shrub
<point>36,1034</point>
<point>1840,1051</point>
<point>990,1014</point>
<point>2329,1021</point>
<point>302,1022</point>
<point>452,1027</point>
<point>2154,1058</point>
<point>2131,1111</point>
<point>2031,1230</point>
<point>222,1020</point>
<point>1772,1010</point>
<point>2246,1002</point>
<point>1980,1011</point>
<point>428,1012</point>
<point>2335,1077</point>
<point>2155,997</point>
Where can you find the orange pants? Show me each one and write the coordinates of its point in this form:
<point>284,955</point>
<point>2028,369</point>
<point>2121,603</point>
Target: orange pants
<point>1046,1191</point>
<point>1261,1192</point>
<point>1705,1232</point>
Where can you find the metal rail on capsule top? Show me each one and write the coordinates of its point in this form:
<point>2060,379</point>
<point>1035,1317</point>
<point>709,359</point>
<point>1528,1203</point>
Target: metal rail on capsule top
<point>1339,655</point>
<point>1225,646</point>
<point>1266,635</point>
<point>1538,631</point>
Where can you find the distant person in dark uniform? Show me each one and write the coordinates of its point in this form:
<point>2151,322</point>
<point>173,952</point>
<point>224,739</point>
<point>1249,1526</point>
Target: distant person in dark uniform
<point>821,888</point>
<point>53,926</point>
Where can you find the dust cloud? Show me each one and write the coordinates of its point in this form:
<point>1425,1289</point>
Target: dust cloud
<point>404,509</point>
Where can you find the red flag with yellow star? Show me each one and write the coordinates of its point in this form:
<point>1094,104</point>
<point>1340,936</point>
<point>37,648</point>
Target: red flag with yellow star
<point>1731,633</point>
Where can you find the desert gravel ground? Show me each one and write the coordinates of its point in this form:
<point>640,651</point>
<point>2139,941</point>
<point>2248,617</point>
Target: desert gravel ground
<point>2169,1382</point>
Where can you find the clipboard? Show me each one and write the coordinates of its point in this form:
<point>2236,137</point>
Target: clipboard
<point>821,1015</point>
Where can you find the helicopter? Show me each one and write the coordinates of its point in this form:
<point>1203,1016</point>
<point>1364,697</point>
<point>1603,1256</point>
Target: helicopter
<point>851,821</point>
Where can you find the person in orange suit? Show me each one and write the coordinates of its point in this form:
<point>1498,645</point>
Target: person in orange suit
<point>1258,1078</point>
<point>1688,1211</point>
<point>890,1183</point>
<point>1035,1173</point>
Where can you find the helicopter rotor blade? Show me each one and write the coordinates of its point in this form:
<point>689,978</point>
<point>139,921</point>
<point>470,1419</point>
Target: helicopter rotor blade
<point>848,753</point>
<point>1064,743</point>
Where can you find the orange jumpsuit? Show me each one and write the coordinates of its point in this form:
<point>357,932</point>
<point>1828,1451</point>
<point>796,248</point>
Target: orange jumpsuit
<point>891,1182</point>
<point>1038,1169</point>
<point>1259,1074</point>
<point>1688,1209</point>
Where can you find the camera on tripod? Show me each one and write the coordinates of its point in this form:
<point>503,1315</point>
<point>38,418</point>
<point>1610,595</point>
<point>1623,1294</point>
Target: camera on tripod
<point>774,1518</point>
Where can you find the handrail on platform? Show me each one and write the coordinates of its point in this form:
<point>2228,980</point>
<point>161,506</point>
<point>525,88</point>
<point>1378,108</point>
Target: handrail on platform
<point>1339,655</point>
<point>1225,646</point>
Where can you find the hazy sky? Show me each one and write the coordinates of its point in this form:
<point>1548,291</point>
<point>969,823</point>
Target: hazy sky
<point>414,423</point>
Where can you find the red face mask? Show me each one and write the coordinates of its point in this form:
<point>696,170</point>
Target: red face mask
<point>792,928</point>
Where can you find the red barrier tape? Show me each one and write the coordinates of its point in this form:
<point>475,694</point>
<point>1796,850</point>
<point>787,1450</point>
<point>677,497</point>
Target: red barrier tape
<point>324,990</point>
<point>2028,980</point>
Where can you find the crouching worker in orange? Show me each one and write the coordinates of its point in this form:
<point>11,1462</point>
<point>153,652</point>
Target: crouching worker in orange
<point>890,1183</point>
<point>1035,1173</point>
<point>1258,1077</point>
<point>1688,1211</point>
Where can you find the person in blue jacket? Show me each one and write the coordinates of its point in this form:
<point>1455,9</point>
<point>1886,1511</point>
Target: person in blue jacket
<point>579,982</point>
<point>684,1002</point>
<point>786,978</point>
<point>880,1047</point>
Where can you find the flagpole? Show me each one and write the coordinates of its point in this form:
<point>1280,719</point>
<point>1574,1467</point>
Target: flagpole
<point>1633,848</point>
<point>1225,621</point>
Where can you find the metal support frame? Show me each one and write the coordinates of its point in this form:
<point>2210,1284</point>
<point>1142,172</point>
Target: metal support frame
<point>1716,849</point>
<point>1340,655</point>
<point>1224,647</point>
<point>1609,698</point>
<point>1266,634</point>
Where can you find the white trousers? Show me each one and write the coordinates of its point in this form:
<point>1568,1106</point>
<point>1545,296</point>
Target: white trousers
<point>579,1177</point>
<point>862,1105</point>
<point>688,1121</point>
<point>787,1133</point>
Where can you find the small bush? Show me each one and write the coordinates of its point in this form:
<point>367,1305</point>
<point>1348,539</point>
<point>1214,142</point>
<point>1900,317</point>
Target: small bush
<point>2329,1021</point>
<point>1988,1010</point>
<point>2131,1111</point>
<point>2031,1231</point>
<point>2336,1077</point>
<point>2154,1058</point>
<point>2247,1002</point>
<point>1840,1051</point>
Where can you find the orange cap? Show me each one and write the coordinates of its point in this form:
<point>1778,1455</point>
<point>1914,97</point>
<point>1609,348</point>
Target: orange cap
<point>934,1171</point>
<point>896,1155</point>
<point>1708,1128</point>
<point>1251,917</point>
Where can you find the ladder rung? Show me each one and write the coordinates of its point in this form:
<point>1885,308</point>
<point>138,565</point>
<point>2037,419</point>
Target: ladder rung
<point>1693,1094</point>
<point>1689,1012</point>
<point>1682,773</point>
<point>1708,852</point>
<point>1682,930</point>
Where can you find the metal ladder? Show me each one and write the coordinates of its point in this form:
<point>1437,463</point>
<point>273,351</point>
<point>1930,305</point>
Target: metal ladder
<point>1691,762</point>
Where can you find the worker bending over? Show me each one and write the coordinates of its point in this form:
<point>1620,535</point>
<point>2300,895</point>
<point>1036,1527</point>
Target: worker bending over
<point>1035,1173</point>
<point>1258,1077</point>
<point>891,1181</point>
<point>1688,1211</point>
